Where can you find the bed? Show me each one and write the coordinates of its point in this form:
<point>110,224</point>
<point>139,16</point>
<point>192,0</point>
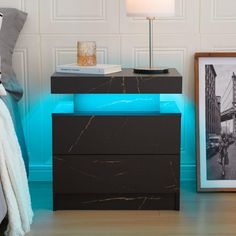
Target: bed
<point>12,23</point>
<point>13,108</point>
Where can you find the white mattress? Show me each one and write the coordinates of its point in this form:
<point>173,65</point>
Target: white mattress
<point>3,207</point>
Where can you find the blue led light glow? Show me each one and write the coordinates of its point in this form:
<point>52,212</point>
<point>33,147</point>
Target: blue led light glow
<point>38,118</point>
<point>117,103</point>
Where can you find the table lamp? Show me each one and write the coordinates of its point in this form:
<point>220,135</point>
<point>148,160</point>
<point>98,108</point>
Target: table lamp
<point>150,9</point>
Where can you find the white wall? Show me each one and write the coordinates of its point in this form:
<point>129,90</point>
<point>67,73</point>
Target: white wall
<point>49,38</point>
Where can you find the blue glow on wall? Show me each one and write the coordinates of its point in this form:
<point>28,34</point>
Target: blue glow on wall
<point>39,118</point>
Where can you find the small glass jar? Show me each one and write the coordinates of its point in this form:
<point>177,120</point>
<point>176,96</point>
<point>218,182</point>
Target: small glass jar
<point>86,53</point>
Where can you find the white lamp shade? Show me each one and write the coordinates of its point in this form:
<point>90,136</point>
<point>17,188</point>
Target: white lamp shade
<point>150,8</point>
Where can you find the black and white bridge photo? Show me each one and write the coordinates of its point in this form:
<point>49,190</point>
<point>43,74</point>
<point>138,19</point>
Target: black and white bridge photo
<point>220,120</point>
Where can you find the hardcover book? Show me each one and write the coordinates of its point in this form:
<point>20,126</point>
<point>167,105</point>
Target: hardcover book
<point>100,69</point>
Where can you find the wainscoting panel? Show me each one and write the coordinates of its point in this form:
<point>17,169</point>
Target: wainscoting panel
<point>26,62</point>
<point>29,6</point>
<point>79,16</point>
<point>54,26</point>
<point>218,16</point>
<point>219,43</point>
<point>19,4</point>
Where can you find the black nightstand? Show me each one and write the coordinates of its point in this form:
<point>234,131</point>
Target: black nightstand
<point>120,160</point>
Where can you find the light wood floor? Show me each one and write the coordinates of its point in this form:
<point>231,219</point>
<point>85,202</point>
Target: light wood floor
<point>201,214</point>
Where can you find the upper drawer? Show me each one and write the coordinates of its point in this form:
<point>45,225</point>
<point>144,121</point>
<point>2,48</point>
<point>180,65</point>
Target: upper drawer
<point>116,134</point>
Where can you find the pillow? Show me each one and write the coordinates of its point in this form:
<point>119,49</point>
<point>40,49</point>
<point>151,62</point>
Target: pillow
<point>12,23</point>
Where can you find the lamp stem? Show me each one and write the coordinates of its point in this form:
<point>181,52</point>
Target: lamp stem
<point>150,19</point>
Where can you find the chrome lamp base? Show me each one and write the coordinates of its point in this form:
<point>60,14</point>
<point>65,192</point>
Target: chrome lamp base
<point>151,71</point>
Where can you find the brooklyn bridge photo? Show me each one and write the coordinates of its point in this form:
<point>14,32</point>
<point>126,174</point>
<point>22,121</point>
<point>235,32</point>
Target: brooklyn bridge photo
<point>220,92</point>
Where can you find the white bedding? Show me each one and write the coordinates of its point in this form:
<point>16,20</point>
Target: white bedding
<point>13,177</point>
<point>2,89</point>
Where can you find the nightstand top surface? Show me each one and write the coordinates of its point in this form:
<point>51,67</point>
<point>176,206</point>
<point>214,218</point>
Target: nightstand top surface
<point>126,72</point>
<point>122,82</point>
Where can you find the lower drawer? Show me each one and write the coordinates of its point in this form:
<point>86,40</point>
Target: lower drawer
<point>116,174</point>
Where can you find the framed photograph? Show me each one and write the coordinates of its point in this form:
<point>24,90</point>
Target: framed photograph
<point>215,83</point>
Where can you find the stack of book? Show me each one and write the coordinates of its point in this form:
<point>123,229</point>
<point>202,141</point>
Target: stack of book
<point>99,69</point>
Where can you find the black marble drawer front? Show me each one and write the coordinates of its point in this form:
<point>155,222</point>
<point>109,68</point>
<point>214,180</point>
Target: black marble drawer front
<point>73,135</point>
<point>116,162</point>
<point>116,174</point>
<point>122,82</point>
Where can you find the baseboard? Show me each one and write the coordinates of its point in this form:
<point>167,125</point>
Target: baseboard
<point>188,172</point>
<point>40,173</point>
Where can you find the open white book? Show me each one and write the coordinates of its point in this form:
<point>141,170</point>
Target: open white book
<point>99,69</point>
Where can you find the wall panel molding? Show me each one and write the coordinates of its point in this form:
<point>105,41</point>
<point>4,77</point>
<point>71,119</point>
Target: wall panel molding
<point>31,7</point>
<point>26,63</point>
<point>20,63</point>
<point>95,16</point>
<point>22,5</point>
<point>54,26</point>
<point>216,16</point>
<point>218,43</point>
<point>19,4</point>
<point>99,16</point>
